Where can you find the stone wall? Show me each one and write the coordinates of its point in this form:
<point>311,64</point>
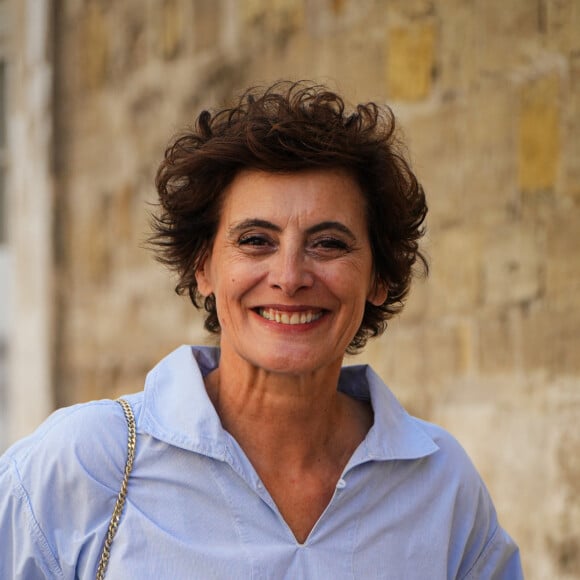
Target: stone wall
<point>488,94</point>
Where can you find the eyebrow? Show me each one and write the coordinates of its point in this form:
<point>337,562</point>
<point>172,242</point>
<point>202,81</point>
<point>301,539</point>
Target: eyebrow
<point>260,223</point>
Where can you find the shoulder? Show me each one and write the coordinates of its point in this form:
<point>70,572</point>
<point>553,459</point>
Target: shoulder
<point>59,486</point>
<point>447,442</point>
<point>90,436</point>
<point>478,543</point>
<point>76,446</point>
<point>450,461</point>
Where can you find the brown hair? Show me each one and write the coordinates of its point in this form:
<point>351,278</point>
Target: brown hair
<point>284,128</point>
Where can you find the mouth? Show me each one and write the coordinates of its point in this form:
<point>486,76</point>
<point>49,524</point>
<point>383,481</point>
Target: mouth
<point>291,318</point>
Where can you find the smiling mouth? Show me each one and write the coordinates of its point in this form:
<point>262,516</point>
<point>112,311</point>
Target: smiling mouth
<point>282,317</point>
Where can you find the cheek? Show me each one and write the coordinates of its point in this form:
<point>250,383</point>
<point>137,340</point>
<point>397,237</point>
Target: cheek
<point>350,282</point>
<point>241,275</point>
<point>228,280</point>
<point>351,298</point>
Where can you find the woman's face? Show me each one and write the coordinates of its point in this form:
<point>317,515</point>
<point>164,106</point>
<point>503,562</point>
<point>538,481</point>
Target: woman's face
<point>291,269</point>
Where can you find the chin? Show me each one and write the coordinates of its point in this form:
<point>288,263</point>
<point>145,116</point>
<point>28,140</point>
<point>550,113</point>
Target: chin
<point>295,361</point>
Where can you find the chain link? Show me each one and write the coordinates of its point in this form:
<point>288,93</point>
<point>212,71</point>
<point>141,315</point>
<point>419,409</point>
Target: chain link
<point>116,517</point>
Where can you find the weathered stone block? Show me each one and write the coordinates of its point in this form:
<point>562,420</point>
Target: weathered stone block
<point>252,10</point>
<point>338,6</point>
<point>551,341</point>
<point>455,283</point>
<point>458,47</point>
<point>410,61</point>
<point>207,24</point>
<point>562,264</point>
<point>449,353</point>
<point>123,213</point>
<point>571,133</point>
<point>95,45</point>
<point>437,145</point>
<point>488,157</point>
<point>512,265</point>
<point>562,23</point>
<point>273,12</point>
<point>539,134</point>
<point>171,31</point>
<point>497,342</point>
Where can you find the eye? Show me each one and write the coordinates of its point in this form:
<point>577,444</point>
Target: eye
<point>252,240</point>
<point>255,242</point>
<point>330,243</point>
<point>329,247</point>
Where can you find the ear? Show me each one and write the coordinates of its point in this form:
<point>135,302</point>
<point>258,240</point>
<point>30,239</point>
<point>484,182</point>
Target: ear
<point>378,293</point>
<point>203,276</point>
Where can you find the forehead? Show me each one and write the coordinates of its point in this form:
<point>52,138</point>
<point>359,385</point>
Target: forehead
<point>305,195</point>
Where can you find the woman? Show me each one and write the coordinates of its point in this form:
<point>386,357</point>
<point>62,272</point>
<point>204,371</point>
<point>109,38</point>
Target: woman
<point>296,225</point>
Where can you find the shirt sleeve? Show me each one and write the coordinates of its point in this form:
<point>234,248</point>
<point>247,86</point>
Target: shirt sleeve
<point>500,559</point>
<point>479,547</point>
<point>59,487</point>
<point>25,550</point>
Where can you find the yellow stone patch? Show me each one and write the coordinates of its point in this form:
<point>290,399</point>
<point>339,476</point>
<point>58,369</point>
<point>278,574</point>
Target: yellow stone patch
<point>172,28</point>
<point>539,134</point>
<point>96,47</point>
<point>410,61</point>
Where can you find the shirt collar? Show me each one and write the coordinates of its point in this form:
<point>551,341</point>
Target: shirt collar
<point>176,406</point>
<point>394,434</point>
<point>177,409</point>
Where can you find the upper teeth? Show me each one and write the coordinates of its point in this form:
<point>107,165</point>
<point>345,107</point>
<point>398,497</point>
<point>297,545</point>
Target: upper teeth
<point>290,317</point>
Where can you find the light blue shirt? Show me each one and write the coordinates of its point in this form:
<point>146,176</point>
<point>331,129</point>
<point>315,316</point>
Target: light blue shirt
<point>409,504</point>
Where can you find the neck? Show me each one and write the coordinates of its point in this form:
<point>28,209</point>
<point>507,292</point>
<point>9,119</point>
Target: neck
<point>287,419</point>
<point>277,411</point>
<point>297,430</point>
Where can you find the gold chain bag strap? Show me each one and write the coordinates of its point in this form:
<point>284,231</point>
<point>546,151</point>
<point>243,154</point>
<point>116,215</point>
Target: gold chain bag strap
<point>116,517</point>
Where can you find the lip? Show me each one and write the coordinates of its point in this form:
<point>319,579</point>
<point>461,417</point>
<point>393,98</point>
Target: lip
<point>290,316</point>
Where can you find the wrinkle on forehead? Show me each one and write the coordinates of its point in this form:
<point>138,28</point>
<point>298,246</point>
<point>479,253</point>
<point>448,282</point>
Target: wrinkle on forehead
<point>310,200</point>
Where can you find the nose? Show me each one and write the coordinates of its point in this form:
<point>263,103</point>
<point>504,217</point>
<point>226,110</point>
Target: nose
<point>289,271</point>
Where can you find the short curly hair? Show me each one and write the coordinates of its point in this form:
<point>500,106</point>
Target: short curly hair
<point>291,127</point>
